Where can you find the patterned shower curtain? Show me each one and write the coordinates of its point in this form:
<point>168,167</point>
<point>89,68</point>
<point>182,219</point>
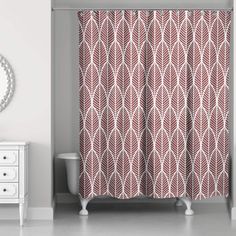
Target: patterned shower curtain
<point>154,103</point>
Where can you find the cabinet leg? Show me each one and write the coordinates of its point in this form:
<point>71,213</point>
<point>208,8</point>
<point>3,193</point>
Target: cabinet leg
<point>21,213</point>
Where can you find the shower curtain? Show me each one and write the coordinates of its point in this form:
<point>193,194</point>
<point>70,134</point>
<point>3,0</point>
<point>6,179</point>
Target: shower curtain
<point>154,103</point>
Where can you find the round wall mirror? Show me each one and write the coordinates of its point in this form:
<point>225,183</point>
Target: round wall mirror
<point>7,83</point>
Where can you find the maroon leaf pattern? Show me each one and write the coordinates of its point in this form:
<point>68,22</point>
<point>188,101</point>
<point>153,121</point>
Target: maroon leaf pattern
<point>154,103</point>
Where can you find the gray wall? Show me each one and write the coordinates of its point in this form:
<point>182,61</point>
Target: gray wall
<point>26,42</point>
<point>66,66</point>
<point>66,91</point>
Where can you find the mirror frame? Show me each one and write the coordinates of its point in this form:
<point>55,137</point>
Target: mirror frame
<point>10,83</point>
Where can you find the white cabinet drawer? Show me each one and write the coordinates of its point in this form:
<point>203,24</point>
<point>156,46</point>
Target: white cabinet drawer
<point>8,158</point>
<point>8,174</point>
<point>8,190</point>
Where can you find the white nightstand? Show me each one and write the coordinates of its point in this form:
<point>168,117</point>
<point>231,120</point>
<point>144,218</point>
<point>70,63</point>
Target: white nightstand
<point>14,175</point>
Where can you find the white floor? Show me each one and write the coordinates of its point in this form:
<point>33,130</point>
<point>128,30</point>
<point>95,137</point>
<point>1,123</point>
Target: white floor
<point>121,219</point>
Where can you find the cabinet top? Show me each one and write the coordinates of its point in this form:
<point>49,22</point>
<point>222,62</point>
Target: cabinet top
<point>13,143</point>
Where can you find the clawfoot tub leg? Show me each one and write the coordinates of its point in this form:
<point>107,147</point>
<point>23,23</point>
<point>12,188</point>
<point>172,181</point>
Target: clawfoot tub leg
<point>188,203</point>
<point>84,203</point>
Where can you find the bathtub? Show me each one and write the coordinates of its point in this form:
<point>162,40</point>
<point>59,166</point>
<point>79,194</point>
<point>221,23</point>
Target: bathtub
<point>73,171</point>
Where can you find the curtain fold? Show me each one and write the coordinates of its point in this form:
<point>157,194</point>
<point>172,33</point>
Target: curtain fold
<point>154,103</point>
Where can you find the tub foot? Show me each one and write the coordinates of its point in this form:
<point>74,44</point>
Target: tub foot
<point>178,202</point>
<point>188,203</point>
<point>84,203</point>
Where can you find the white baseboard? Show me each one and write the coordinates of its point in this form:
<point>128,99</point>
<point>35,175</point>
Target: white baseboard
<point>67,198</point>
<point>11,212</point>
<point>40,213</point>
<point>233,213</point>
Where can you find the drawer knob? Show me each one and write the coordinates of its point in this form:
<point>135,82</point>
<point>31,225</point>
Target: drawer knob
<point>4,190</point>
<point>4,174</point>
<point>4,157</point>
